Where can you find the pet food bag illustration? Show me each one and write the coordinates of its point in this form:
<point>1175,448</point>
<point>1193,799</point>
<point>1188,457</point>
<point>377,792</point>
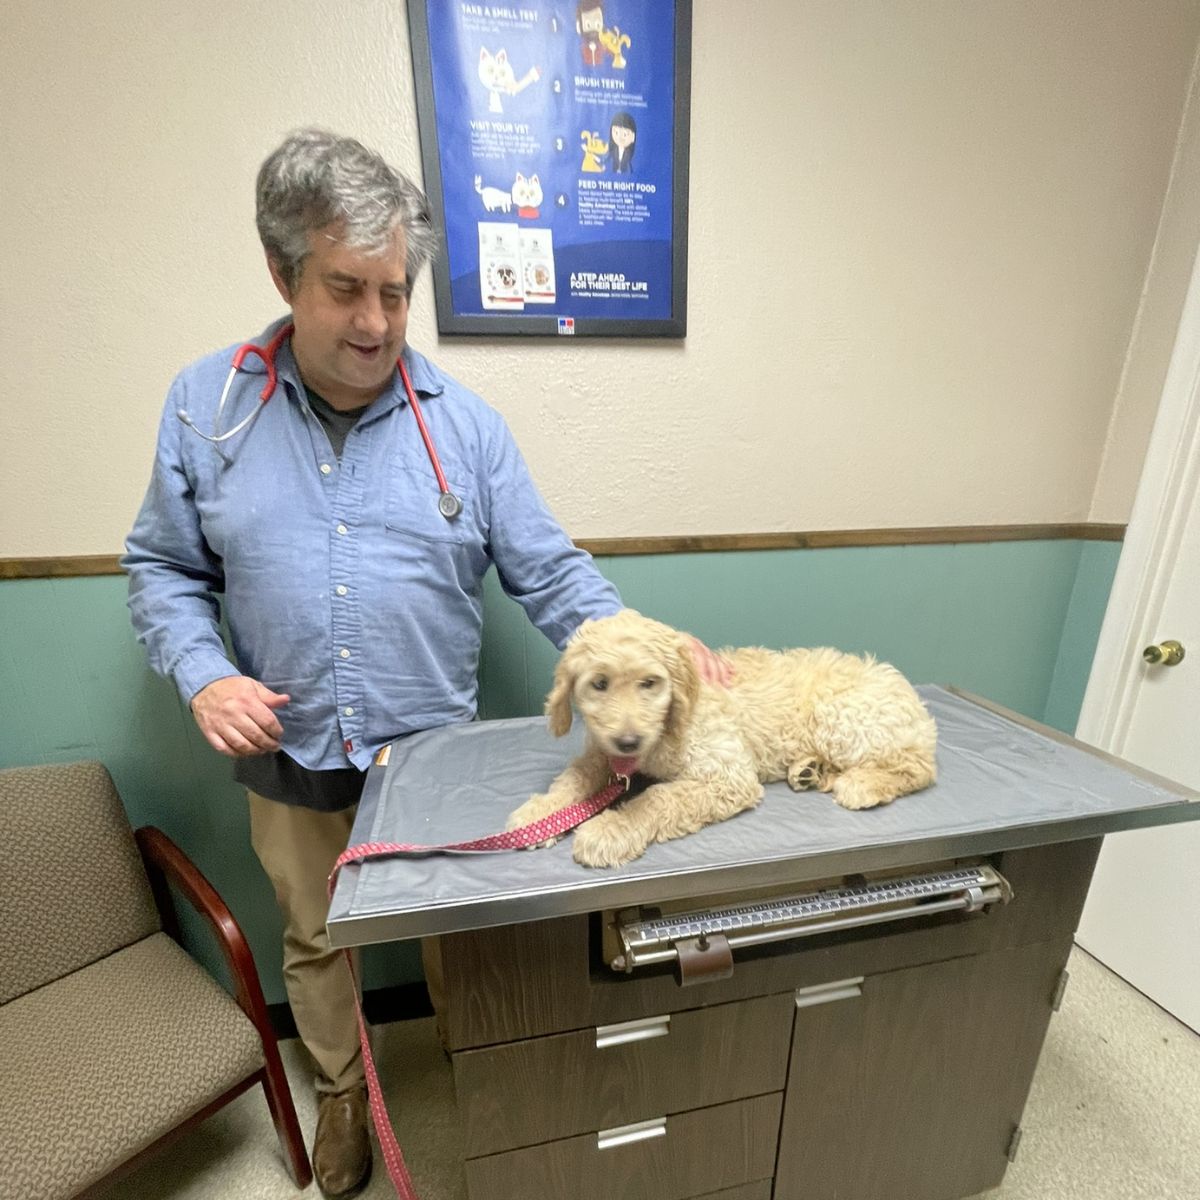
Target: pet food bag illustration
<point>537,264</point>
<point>500,282</point>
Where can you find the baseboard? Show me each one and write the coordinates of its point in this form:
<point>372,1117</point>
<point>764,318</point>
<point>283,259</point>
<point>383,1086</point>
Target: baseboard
<point>400,1002</point>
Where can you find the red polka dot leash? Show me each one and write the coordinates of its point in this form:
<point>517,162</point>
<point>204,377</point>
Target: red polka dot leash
<point>555,825</point>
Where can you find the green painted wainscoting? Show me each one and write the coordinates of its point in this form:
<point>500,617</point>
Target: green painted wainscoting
<point>1016,622</point>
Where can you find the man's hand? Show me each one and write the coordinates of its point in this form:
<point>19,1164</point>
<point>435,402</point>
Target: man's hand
<point>237,716</point>
<point>712,667</point>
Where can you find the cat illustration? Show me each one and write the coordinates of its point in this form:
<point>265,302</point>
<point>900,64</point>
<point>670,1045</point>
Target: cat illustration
<point>526,195</point>
<point>496,74</point>
<point>493,198</point>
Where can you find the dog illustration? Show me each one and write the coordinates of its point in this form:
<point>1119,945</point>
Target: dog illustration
<point>594,151</point>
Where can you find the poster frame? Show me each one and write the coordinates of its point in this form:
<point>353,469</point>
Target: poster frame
<point>454,323</point>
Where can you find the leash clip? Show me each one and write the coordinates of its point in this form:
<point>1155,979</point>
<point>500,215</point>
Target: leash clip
<point>623,780</point>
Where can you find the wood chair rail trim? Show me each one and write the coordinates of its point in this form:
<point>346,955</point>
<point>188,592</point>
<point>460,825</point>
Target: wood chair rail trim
<point>80,565</point>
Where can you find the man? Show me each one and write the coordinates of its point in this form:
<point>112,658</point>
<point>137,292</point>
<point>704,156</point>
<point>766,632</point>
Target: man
<point>353,602</point>
<point>589,24</point>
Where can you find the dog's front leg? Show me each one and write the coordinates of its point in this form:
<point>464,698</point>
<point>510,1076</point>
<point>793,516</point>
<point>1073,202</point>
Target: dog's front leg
<point>583,778</point>
<point>662,812</point>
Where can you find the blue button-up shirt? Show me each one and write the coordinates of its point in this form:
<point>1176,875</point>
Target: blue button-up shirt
<point>344,586</point>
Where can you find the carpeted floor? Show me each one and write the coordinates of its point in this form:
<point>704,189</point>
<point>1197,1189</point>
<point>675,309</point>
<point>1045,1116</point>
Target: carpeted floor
<point>1114,1114</point>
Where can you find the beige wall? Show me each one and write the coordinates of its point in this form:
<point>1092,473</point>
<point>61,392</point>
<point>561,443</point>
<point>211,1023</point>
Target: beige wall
<point>920,231</point>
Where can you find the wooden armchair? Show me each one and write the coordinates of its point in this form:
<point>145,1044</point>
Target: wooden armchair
<point>114,1040</point>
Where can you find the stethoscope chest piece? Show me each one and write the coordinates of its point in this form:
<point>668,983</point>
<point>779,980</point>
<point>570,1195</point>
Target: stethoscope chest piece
<point>449,505</point>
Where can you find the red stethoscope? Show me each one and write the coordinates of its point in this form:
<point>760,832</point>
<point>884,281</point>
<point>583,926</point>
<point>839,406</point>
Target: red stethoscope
<point>449,505</point>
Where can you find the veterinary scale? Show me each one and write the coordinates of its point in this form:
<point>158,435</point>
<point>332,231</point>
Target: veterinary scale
<point>701,942</point>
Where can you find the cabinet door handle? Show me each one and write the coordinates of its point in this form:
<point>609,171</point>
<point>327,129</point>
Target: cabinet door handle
<point>825,993</point>
<point>632,1031</point>
<point>623,1135</point>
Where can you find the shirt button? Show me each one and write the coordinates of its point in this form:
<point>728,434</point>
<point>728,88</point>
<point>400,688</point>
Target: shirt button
<point>325,468</point>
<point>342,589</point>
<point>348,711</point>
<point>341,529</point>
<point>344,652</point>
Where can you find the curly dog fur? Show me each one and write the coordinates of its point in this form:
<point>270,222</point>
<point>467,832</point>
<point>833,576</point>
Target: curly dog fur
<point>820,719</point>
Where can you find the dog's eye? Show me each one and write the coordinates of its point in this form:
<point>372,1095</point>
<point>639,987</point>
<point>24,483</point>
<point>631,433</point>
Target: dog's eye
<point>600,684</point>
<point>649,684</point>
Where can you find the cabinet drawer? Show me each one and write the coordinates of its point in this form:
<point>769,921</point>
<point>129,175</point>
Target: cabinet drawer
<point>548,1088</point>
<point>696,1154</point>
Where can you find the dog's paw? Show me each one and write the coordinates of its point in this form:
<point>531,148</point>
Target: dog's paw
<point>536,808</point>
<point>855,800</point>
<point>855,794</point>
<point>606,841</point>
<point>809,775</point>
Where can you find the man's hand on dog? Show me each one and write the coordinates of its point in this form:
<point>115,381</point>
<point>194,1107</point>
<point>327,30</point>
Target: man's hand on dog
<point>712,667</point>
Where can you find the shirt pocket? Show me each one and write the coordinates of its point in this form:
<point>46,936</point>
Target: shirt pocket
<point>411,508</point>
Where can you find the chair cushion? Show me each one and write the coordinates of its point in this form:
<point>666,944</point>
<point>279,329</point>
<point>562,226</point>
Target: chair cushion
<point>66,845</point>
<point>98,1065</point>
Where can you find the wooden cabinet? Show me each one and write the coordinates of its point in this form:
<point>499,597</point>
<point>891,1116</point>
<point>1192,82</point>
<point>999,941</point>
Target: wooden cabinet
<point>887,1063</point>
<point>913,1089</point>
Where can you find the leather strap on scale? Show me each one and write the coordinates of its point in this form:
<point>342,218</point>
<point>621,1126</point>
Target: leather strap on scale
<point>555,825</point>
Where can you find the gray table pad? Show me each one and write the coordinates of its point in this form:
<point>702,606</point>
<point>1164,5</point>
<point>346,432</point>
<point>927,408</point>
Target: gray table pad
<point>1003,783</point>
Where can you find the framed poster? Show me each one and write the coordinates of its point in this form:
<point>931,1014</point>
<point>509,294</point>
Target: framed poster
<point>554,137</point>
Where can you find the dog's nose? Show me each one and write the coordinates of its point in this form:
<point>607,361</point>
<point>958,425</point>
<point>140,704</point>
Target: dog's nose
<point>628,744</point>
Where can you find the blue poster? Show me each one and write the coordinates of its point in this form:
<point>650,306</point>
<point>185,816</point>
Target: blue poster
<point>555,129</point>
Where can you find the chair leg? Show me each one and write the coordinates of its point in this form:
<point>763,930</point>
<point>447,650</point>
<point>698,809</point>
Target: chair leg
<point>283,1113</point>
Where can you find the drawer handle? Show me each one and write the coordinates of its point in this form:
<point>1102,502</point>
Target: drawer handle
<point>826,993</point>
<point>623,1135</point>
<point>632,1031</point>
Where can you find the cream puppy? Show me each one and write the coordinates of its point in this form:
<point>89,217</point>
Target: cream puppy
<point>820,719</point>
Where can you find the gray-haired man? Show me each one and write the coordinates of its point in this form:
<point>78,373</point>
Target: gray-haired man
<point>353,604</point>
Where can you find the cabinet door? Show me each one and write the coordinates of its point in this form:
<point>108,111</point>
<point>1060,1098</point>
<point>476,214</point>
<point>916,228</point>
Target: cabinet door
<point>912,1090</point>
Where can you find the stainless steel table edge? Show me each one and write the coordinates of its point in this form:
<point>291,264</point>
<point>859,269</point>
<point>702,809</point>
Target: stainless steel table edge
<point>534,905</point>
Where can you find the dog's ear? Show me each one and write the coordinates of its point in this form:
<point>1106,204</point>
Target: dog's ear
<point>558,700</point>
<point>685,686</point>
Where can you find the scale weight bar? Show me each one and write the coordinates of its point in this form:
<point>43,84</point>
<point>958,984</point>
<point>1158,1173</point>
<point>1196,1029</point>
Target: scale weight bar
<point>701,943</point>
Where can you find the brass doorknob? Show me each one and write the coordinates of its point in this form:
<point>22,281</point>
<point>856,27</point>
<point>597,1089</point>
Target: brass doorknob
<point>1166,653</point>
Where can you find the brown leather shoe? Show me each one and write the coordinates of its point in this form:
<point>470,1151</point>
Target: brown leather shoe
<point>341,1155</point>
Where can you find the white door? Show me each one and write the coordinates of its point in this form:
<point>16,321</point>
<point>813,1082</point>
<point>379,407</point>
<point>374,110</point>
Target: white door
<point>1142,918</point>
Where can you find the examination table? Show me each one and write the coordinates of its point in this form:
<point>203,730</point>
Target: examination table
<point>802,1002</point>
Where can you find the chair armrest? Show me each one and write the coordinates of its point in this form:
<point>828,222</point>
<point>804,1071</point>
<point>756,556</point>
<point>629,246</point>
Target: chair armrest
<point>166,863</point>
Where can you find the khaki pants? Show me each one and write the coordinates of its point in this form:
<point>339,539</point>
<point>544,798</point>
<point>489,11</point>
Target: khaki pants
<point>297,848</point>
